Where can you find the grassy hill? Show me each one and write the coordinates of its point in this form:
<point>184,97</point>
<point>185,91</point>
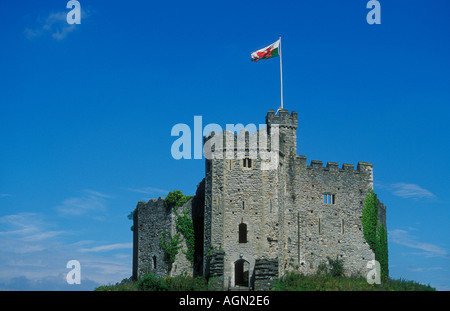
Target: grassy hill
<point>289,282</point>
<point>300,282</point>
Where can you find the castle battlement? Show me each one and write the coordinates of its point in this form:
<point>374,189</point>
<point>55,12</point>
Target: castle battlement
<point>362,167</point>
<point>284,119</point>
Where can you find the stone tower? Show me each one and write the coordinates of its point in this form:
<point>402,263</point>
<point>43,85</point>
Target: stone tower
<point>256,222</point>
<point>260,224</point>
<point>287,127</point>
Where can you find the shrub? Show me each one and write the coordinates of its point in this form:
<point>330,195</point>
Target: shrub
<point>151,282</point>
<point>336,267</point>
<point>186,283</point>
<point>176,199</point>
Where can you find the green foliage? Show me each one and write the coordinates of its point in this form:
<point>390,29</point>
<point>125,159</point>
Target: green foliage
<point>151,282</point>
<point>130,217</point>
<point>334,268</point>
<point>176,199</point>
<point>289,282</point>
<point>186,283</point>
<point>322,269</point>
<point>185,226</point>
<point>124,285</point>
<point>375,235</point>
<point>370,219</point>
<point>381,254</point>
<point>170,247</point>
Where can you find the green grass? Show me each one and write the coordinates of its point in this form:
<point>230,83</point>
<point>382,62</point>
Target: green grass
<point>152,283</point>
<point>289,282</point>
<point>316,282</point>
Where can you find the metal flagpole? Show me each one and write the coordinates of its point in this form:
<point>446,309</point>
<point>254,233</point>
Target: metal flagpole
<point>281,74</point>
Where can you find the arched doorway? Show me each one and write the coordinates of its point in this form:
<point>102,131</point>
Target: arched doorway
<point>241,272</point>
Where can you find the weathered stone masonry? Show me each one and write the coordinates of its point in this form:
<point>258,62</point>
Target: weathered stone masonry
<point>258,224</point>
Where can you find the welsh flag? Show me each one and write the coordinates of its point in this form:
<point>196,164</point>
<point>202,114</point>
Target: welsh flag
<point>267,52</point>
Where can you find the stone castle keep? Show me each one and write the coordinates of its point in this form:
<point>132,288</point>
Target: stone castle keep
<point>253,225</point>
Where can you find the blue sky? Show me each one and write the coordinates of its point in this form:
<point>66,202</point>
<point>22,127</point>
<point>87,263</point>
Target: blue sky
<point>87,111</point>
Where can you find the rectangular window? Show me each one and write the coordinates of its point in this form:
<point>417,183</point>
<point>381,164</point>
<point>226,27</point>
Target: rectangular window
<point>242,233</point>
<point>247,163</point>
<point>329,199</point>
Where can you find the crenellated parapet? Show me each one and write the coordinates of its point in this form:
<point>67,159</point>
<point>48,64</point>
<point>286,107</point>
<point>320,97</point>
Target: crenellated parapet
<point>363,168</point>
<point>283,118</point>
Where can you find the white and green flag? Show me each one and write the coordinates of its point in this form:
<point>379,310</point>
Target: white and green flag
<point>267,52</point>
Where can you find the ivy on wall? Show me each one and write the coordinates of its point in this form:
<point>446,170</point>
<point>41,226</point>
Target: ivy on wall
<point>170,247</point>
<point>381,254</point>
<point>375,235</point>
<point>370,219</point>
<point>184,226</point>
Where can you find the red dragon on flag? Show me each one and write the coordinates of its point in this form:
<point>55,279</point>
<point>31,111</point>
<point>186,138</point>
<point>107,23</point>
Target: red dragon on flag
<point>267,52</point>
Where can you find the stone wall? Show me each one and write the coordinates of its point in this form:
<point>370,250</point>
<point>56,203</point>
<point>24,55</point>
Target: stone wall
<point>216,268</point>
<point>266,271</point>
<point>152,221</point>
<point>316,229</point>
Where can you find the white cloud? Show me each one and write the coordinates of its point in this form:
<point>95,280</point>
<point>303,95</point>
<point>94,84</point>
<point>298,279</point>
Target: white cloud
<point>403,237</point>
<point>55,25</point>
<point>90,201</point>
<point>426,269</point>
<point>148,190</point>
<point>34,257</point>
<point>108,247</point>
<point>26,227</point>
<point>412,191</point>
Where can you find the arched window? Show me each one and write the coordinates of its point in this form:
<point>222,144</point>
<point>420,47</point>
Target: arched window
<point>154,262</point>
<point>242,233</point>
